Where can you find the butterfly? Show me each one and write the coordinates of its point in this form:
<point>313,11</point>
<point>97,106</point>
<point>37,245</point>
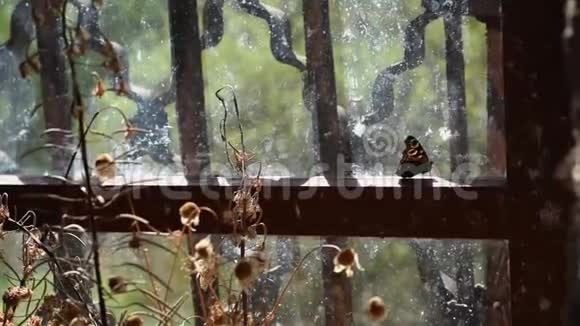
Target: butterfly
<point>415,160</point>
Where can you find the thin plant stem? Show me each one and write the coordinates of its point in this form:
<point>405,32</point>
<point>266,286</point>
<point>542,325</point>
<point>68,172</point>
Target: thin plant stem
<point>175,260</point>
<point>77,106</point>
<point>281,296</point>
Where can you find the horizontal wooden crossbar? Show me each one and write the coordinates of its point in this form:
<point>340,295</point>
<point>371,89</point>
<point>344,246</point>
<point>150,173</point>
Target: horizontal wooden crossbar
<point>379,207</point>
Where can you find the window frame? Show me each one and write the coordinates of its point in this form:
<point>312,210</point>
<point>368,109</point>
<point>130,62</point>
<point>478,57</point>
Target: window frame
<point>538,138</point>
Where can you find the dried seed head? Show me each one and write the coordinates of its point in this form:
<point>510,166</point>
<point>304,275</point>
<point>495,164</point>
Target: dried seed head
<point>118,284</point>
<point>246,272</point>
<point>346,257</point>
<point>105,167</point>
<point>345,260</point>
<point>204,249</point>
<point>9,316</point>
<point>376,309</point>
<point>203,253</point>
<point>33,321</point>
<point>15,294</point>
<point>189,213</point>
<point>243,159</point>
<point>204,262</point>
<point>217,314</point>
<point>133,320</point>
<point>246,207</point>
<point>243,270</point>
<point>69,310</point>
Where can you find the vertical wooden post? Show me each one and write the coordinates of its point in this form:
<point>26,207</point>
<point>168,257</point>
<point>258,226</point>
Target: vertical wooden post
<point>538,138</point>
<point>54,81</point>
<point>186,47</point>
<point>186,50</point>
<point>458,148</point>
<point>320,83</point>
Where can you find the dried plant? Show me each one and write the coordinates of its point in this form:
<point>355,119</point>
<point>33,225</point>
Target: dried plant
<point>74,274</point>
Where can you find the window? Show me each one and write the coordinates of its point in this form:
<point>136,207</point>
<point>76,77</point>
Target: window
<point>298,112</point>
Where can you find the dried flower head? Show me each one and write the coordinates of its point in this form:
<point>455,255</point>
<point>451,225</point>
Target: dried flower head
<point>249,268</point>
<point>32,252</point>
<point>204,262</point>
<point>118,284</point>
<point>246,207</point>
<point>376,309</point>
<point>69,310</point>
<point>243,159</point>
<point>204,249</point>
<point>345,260</point>
<point>189,213</point>
<point>9,316</point>
<point>244,273</point>
<point>218,314</point>
<point>133,320</point>
<point>105,167</point>
<point>15,294</point>
<point>33,321</point>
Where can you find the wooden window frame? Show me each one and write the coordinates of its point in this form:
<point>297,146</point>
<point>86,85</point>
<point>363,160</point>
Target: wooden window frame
<point>538,138</point>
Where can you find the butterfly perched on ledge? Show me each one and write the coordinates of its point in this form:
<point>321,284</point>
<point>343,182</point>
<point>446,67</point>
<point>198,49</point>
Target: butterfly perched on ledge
<point>415,160</point>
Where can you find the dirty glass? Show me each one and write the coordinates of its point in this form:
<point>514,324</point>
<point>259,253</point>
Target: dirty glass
<point>431,69</point>
<point>428,69</point>
<point>417,282</point>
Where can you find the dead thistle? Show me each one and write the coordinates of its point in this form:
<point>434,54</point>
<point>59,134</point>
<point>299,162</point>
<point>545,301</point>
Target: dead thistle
<point>203,263</point>
<point>14,295</point>
<point>105,167</point>
<point>118,284</point>
<point>189,214</point>
<point>345,260</point>
<point>376,309</point>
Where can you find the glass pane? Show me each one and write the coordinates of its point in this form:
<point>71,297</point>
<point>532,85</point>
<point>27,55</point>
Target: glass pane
<point>423,68</point>
<point>450,99</point>
<point>405,281</point>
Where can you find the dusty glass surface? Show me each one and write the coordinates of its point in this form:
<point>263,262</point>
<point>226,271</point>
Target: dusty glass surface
<point>261,55</point>
<point>417,280</point>
<point>422,68</point>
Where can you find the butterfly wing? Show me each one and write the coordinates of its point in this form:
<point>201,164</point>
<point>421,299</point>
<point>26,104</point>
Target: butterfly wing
<point>414,159</point>
<point>414,152</point>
